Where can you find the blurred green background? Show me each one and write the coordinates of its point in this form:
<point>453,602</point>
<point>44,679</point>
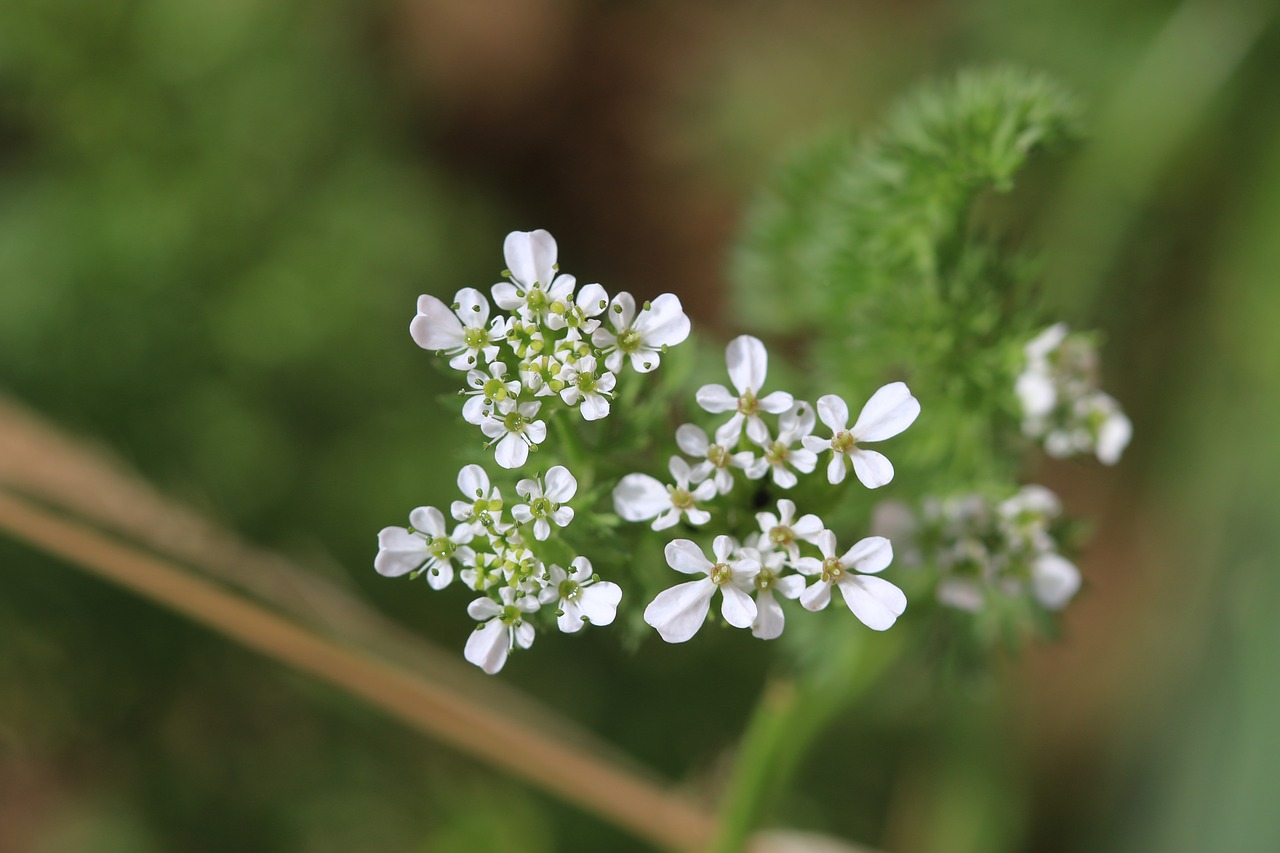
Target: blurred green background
<point>214,221</point>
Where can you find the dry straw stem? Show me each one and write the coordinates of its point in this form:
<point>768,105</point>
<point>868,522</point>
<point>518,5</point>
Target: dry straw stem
<point>614,794</point>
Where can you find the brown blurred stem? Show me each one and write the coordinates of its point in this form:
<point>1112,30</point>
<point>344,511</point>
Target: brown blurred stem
<point>613,794</point>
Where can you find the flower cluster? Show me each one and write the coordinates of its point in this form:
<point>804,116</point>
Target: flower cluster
<point>495,557</point>
<point>556,344</point>
<point>746,446</point>
<point>982,547</point>
<point>1061,404</point>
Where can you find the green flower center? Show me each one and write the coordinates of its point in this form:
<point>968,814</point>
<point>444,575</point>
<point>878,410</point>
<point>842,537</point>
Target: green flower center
<point>515,422</point>
<point>537,300</point>
<point>681,499</point>
<point>765,579</point>
<point>782,536</point>
<point>832,570</point>
<point>721,574</point>
<point>510,615</point>
<point>748,404</point>
<point>475,338</point>
<point>442,548</point>
<point>843,441</point>
<point>777,453</point>
<point>494,390</point>
<point>718,456</point>
<point>570,590</point>
<point>586,383</point>
<point>542,507</point>
<point>629,341</point>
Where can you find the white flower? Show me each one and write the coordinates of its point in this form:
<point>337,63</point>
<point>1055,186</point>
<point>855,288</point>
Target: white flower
<point>580,596</point>
<point>889,411</point>
<point>483,571</point>
<point>770,619</point>
<point>679,612</point>
<point>748,366</point>
<point>876,602</point>
<point>783,530</point>
<point>582,385</point>
<point>540,375</point>
<point>522,570</point>
<point>459,331</point>
<point>534,285</point>
<point>1111,428</point>
<point>427,545</point>
<point>662,323</point>
<point>1024,518</point>
<point>578,314</point>
<point>794,425</point>
<point>482,508</point>
<point>486,389</point>
<point>504,628</point>
<point>639,497</point>
<point>715,458</point>
<point>1054,580</point>
<point>512,426</point>
<point>545,504</point>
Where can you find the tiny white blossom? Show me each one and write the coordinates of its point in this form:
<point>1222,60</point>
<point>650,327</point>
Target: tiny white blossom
<point>784,529</point>
<point>889,411</point>
<point>661,323</point>
<point>503,628</point>
<point>513,427</point>
<point>580,596</point>
<point>583,385</point>
<point>639,497</point>
<point>540,375</point>
<point>545,504</point>
<point>677,613</point>
<point>578,314</point>
<point>1054,580</point>
<point>794,425</point>
<point>459,331</point>
<point>482,508</point>
<point>770,620</point>
<point>876,602</point>
<point>715,459</point>
<point>748,362</point>
<point>487,389</point>
<point>534,285</point>
<point>428,545</point>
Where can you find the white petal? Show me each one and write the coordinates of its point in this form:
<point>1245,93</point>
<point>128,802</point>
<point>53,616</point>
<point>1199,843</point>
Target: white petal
<point>599,602</point>
<point>808,566</point>
<point>594,407</point>
<point>473,411</point>
<point>622,311</point>
<point>679,612</point>
<point>680,471</point>
<point>748,362</point>
<point>826,542</point>
<point>562,516</point>
<point>816,597</point>
<point>692,440</point>
<point>790,586</point>
<point>686,557</point>
<point>1054,580</point>
<point>530,256</point>
<point>783,477</point>
<point>1046,342</point>
<point>730,431</point>
<point>592,299</point>
<point>770,619</point>
<point>1036,392</point>
<point>870,555</point>
<point>807,527</point>
<point>524,633</point>
<point>814,444</point>
<point>561,485</point>
<point>645,360</point>
<point>435,327</point>
<point>876,602</point>
<point>511,452</point>
<point>440,575</point>
<point>696,517</point>
<point>723,547</point>
<point>1113,438</point>
<point>541,530</point>
<point>833,412</point>
<point>429,520</point>
<point>638,497</point>
<point>507,296</point>
<point>483,608</point>
<point>487,647</point>
<point>460,510</point>
<point>473,307</point>
<point>777,403</point>
<point>803,460</point>
<point>669,519</point>
<point>736,606</point>
<point>872,468</point>
<point>889,411</point>
<point>716,399</point>
<point>836,469</point>
<point>399,552</point>
<point>665,323</point>
<point>473,482</point>
<point>522,513</point>
<point>536,432</point>
<point>757,432</point>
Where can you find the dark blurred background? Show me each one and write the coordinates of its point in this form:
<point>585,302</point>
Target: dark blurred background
<point>215,219</point>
